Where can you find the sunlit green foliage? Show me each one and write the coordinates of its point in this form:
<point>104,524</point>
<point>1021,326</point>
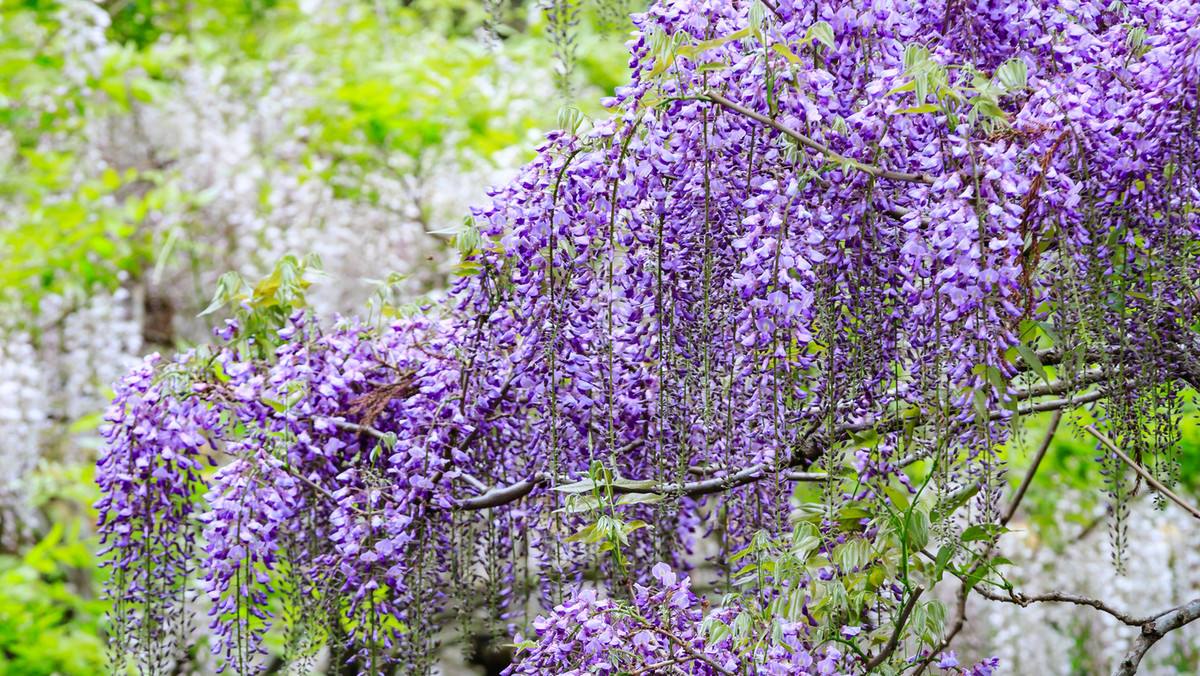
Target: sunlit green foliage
<point>50,615</point>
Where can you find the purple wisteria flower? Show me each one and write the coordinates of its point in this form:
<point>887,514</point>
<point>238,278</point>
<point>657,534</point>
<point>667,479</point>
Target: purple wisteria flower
<point>813,240</point>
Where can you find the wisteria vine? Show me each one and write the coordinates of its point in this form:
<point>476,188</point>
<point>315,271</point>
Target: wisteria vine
<point>815,243</point>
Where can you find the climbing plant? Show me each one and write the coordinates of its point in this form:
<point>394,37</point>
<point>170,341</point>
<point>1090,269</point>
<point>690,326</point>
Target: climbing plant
<point>787,300</point>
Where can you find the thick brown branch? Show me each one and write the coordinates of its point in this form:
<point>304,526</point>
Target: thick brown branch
<point>1154,630</point>
<point>504,495</point>
<point>1185,361</point>
<point>1055,404</point>
<point>356,428</point>
<point>1080,381</point>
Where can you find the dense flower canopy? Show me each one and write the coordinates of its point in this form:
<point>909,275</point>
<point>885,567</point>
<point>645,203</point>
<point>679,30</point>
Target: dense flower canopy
<point>815,242</point>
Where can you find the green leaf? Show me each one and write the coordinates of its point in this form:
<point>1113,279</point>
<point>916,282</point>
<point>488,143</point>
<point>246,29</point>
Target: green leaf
<point>579,503</point>
<point>786,53</point>
<point>584,486</point>
<point>853,555</point>
<point>915,55</point>
<point>876,578</point>
<point>945,510</point>
<point>634,483</point>
<point>916,533</point>
<point>980,401</point>
<point>974,579</point>
<point>945,552</point>
<point>898,498</point>
<point>714,629</point>
<point>229,284</point>
<point>1031,358</point>
<point>995,377</point>
<point>633,525</point>
<point>1051,332</point>
<point>1013,74</point>
<point>853,513</point>
<point>691,51</point>
<point>822,32</point>
<point>865,439</point>
<point>927,108</point>
<point>588,534</point>
<point>639,498</point>
<point>975,534</point>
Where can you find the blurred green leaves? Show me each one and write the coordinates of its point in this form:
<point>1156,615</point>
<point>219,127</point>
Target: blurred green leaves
<point>46,626</point>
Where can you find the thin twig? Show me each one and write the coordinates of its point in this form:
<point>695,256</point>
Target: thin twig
<point>323,491</point>
<point>900,622</point>
<point>773,7</point>
<point>1062,597</point>
<point>1033,468</point>
<point>356,428</point>
<point>1078,382</point>
<point>684,646</point>
<point>869,169</point>
<point>657,665</point>
<point>1141,472</point>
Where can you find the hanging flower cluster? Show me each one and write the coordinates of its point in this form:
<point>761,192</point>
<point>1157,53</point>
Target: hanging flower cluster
<point>814,242</point>
<point>665,627</point>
